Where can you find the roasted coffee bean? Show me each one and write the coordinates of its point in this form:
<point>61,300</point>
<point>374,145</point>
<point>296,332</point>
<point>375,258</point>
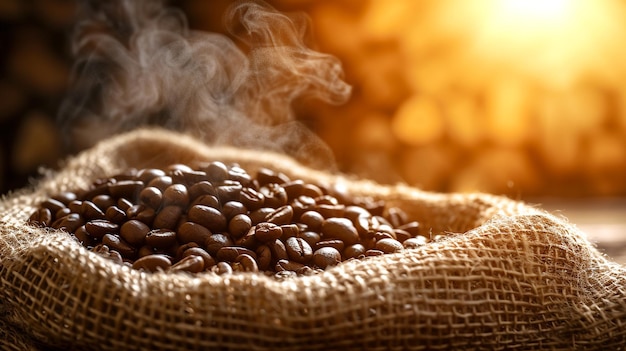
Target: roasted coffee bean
<point>188,177</point>
<point>146,251</point>
<point>53,205</point>
<point>124,204</point>
<point>413,243</point>
<point>161,183</point>
<point>259,215</point>
<point>62,212</point>
<point>230,253</point>
<point>275,195</point>
<point>160,238</point>
<point>327,200</point>
<point>146,216</point>
<point>388,245</point>
<point>206,200</point>
<point>401,235</point>
<point>266,176</point>
<point>65,197</point>
<point>229,191</point>
<point>146,175</point>
<point>326,256</point>
<point>128,189</point>
<point>353,251</point>
<point>264,257</point>
<point>312,238</point>
<point>114,242</point>
<point>289,230</point>
<point>412,227</point>
<point>202,188</point>
<point>249,240</point>
<point>216,171</point>
<point>215,242</point>
<point>83,237</point>
<point>287,265</point>
<point>396,216</point>
<point>239,225</point>
<point>313,220</point>
<point>115,214</point>
<point>266,232</point>
<point>151,197</point>
<point>282,215</point>
<point>222,268</point>
<point>103,202</point>
<point>298,250</point>
<point>373,252</point>
<point>104,251</point>
<point>76,206</point>
<point>153,263</point>
<point>311,190</point>
<point>248,263</point>
<point>355,212</point>
<point>340,228</point>
<point>238,174</point>
<point>134,232</point>
<point>328,211</point>
<point>99,227</point>
<point>251,198</point>
<point>42,217</point>
<point>69,223</point>
<point>383,235</point>
<point>209,261</point>
<point>209,217</point>
<point>168,217</point>
<point>90,211</point>
<point>176,195</point>
<point>191,264</point>
<point>233,208</point>
<point>334,243</point>
<point>278,250</point>
<point>193,232</point>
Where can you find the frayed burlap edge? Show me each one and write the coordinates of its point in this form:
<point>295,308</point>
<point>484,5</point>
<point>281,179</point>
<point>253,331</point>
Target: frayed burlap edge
<point>507,276</point>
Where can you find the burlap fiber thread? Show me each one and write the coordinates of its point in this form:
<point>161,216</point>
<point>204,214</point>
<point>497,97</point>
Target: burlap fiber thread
<point>508,276</point>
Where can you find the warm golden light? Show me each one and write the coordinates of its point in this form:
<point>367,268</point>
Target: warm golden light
<point>534,10</point>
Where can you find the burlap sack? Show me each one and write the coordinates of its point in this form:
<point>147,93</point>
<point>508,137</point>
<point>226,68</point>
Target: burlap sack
<point>512,277</point>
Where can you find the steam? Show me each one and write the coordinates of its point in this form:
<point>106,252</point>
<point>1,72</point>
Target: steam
<point>137,63</point>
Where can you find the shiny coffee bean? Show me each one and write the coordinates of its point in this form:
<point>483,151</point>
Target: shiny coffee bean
<point>161,183</point>
<point>208,217</point>
<point>191,264</point>
<point>115,215</point>
<point>99,227</point>
<point>153,263</point>
<point>193,232</point>
<point>267,232</point>
<point>176,195</point>
<point>353,251</point>
<point>134,232</point>
<point>160,238</point>
<point>281,216</point>
<point>209,261</point>
<point>340,228</point>
<point>326,256</point>
<point>168,217</point>
<point>313,220</point>
<point>230,253</point>
<point>388,245</point>
<point>114,242</point>
<point>151,197</point>
<point>128,189</point>
<point>239,225</point>
<point>248,263</point>
<point>298,250</point>
<point>215,242</point>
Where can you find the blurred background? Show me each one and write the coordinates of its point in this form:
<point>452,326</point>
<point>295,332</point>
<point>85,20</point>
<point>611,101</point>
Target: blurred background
<point>523,98</point>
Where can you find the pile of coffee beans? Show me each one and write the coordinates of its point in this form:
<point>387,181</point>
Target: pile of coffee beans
<point>219,218</point>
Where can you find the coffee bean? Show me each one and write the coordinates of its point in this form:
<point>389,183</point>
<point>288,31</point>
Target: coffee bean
<point>151,197</point>
<point>215,242</point>
<point>328,211</point>
<point>148,174</point>
<point>412,227</point>
<point>259,215</point>
<point>42,217</point>
<point>388,245</point>
<point>53,205</point>
<point>115,214</point>
<point>161,183</point>
<point>153,263</point>
<point>287,265</point>
<point>313,220</point>
<point>312,238</point>
<point>188,178</point>
<point>134,232</point>
<point>233,208</point>
<point>340,228</point>
<point>282,215</point>
<point>69,223</point>
<point>248,263</point>
<point>239,225</point>
<point>326,256</point>
<point>99,227</point>
<point>168,217</point>
<point>202,188</point>
<point>209,261</point>
<point>191,264</point>
<point>353,251</point>
<point>90,211</point>
<point>160,238</point>
<point>206,200</point>
<point>176,195</point>
<point>275,195</point>
<point>278,250</point>
<point>289,230</point>
<point>298,250</point>
<point>311,190</point>
<point>193,232</point>
<point>264,257</point>
<point>334,243</point>
<point>209,217</point>
<point>413,243</point>
<point>124,204</point>
<point>266,176</point>
<point>103,201</point>
<point>229,191</point>
<point>62,212</point>
<point>65,197</point>
<point>251,198</point>
<point>114,242</point>
<point>222,268</point>
<point>266,232</point>
<point>128,189</point>
<point>216,171</point>
<point>230,253</point>
<point>373,252</point>
<point>83,237</point>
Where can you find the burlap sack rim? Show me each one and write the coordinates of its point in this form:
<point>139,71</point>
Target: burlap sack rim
<point>490,211</point>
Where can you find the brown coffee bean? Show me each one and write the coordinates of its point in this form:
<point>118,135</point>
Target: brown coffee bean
<point>146,216</point>
<point>114,242</point>
<point>161,182</point>
<point>53,205</point>
<point>168,217</point>
<point>355,212</point>
<point>287,265</point>
<point>340,228</point>
<point>193,232</point>
<point>83,237</point>
<point>313,220</point>
<point>383,235</point>
<point>160,238</point>
<point>289,230</point>
<point>298,250</point>
<point>151,197</point>
<point>153,263</point>
<point>148,174</point>
<point>178,167</point>
<point>230,253</point>
<point>238,174</point>
<point>229,191</point>
<point>104,251</point>
<point>239,225</point>
<point>326,256</point>
<point>115,215</point>
<point>206,200</point>
<point>396,216</point>
<point>65,197</point>
<point>176,195</point>
<point>209,261</point>
<point>401,235</point>
<point>278,250</point>
<point>202,188</point>
<point>327,200</point>
<point>413,243</point>
<point>266,176</point>
<point>248,263</point>
<point>312,238</point>
<point>282,215</point>
<point>90,211</point>
<point>75,206</point>
<point>62,212</point>
<point>335,243</point>
<point>373,252</point>
<point>128,189</point>
<point>103,201</point>
<point>412,227</point>
<point>215,242</point>
<point>134,232</point>
<point>191,264</point>
<point>42,217</point>
<point>188,177</point>
<point>208,217</point>
<point>328,211</point>
<point>388,245</point>
<point>124,204</point>
<point>264,257</point>
<point>353,251</point>
<point>249,240</point>
<point>99,227</point>
<point>251,198</point>
<point>311,190</point>
<point>275,195</point>
<point>257,216</point>
<point>216,171</point>
<point>222,268</point>
<point>146,250</point>
<point>266,232</point>
<point>69,223</point>
<point>233,208</point>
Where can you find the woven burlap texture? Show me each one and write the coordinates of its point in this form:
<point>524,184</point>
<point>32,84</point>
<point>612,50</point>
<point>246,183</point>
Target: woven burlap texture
<point>507,276</point>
